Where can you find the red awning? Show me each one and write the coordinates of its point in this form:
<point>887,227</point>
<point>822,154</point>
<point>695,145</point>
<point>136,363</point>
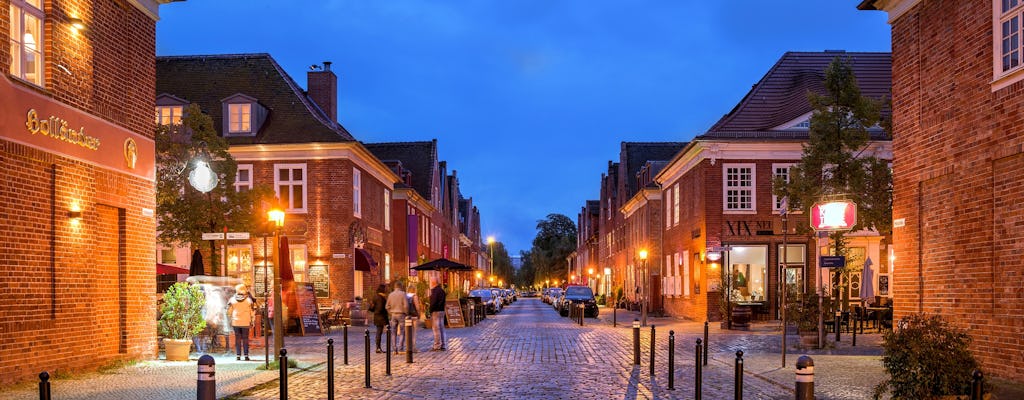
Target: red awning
<point>170,269</point>
<point>364,261</point>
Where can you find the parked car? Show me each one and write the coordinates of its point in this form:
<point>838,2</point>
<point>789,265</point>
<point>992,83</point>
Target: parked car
<point>545,295</point>
<point>575,295</point>
<point>556,295</point>
<point>500,295</point>
<point>491,304</point>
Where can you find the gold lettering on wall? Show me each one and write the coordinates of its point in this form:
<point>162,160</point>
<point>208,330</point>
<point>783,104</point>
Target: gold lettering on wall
<point>57,129</point>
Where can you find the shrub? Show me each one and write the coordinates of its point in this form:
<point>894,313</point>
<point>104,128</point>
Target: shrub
<point>181,314</point>
<point>926,357</point>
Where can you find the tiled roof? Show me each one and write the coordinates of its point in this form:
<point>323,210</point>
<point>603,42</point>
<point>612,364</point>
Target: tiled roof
<point>418,157</point>
<point>207,79</point>
<point>636,154</point>
<point>781,95</point>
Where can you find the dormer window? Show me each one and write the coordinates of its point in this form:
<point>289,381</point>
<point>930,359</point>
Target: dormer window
<point>243,115</point>
<point>239,118</point>
<point>169,109</point>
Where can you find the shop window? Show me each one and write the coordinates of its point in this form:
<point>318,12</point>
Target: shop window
<point>290,185</point>
<point>240,263</point>
<point>794,258</point>
<point>738,188</point>
<point>27,40</point>
<point>297,254</point>
<point>243,178</point>
<point>746,266</point>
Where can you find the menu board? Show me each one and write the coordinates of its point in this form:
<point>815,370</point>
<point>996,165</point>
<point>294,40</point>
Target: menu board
<point>318,276</point>
<point>453,310</point>
<point>258,289</point>
<point>304,293</point>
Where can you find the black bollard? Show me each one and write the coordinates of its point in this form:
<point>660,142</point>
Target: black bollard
<point>283,379</point>
<point>344,351</point>
<point>44,385</point>
<point>838,315</point>
<point>409,344</point>
<point>804,378</point>
<point>698,374</point>
<point>206,381</point>
<point>330,368</point>
<point>387,368</point>
<point>671,360</point>
<point>853,316</point>
<point>977,385</point>
<point>366,356</point>
<point>583,310</point>
<point>615,311</point>
<point>705,342</point>
<point>636,342</point>
<point>738,383</point>
<point>652,350</point>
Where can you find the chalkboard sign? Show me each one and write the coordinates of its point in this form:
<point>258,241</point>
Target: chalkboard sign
<point>318,275</point>
<point>453,311</point>
<point>307,308</point>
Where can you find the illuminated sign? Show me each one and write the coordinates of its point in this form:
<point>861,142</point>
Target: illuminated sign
<point>834,216</point>
<point>58,129</point>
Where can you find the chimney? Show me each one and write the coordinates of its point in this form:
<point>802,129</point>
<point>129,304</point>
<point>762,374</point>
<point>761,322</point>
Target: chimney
<point>323,88</point>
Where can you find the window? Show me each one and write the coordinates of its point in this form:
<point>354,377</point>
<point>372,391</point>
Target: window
<point>686,273</point>
<point>357,193</point>
<point>387,267</point>
<point>675,202</point>
<point>167,256</point>
<point>169,115</point>
<point>239,118</point>
<point>1006,41</point>
<point>243,178</point>
<point>738,187</point>
<point>746,265</point>
<point>27,40</point>
<point>297,253</point>
<point>290,185</point>
<point>240,263</point>
<point>387,210</point>
<point>668,208</point>
<point>780,171</point>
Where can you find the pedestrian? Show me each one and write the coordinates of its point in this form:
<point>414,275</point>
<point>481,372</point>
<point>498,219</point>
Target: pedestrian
<point>241,309</point>
<point>437,296</point>
<point>378,305</point>
<point>397,306</point>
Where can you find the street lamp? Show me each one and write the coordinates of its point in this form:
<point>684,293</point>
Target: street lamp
<point>277,217</point>
<point>643,287</point>
<point>490,246</point>
<point>590,277</point>
<point>492,280</point>
<point>479,276</point>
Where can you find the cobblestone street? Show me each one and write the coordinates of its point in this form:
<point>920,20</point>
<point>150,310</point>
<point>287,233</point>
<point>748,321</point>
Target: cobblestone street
<point>526,352</point>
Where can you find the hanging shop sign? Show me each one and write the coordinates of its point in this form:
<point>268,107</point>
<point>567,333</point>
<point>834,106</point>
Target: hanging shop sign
<point>838,215</point>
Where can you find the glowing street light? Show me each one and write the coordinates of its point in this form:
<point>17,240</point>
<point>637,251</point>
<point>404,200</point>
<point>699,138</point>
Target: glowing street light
<point>277,217</point>
<point>643,287</point>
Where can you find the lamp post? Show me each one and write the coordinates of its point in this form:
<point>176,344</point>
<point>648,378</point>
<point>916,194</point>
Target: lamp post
<point>643,287</point>
<point>490,246</point>
<point>479,279</point>
<point>277,217</point>
<point>590,278</point>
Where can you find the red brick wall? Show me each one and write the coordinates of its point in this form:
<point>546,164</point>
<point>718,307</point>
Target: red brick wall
<point>957,181</point>
<point>80,295</point>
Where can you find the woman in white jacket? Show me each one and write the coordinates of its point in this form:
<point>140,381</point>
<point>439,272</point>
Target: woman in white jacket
<point>241,309</point>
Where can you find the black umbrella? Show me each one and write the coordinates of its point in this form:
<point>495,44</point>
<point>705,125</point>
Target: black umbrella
<point>442,264</point>
<point>196,267</point>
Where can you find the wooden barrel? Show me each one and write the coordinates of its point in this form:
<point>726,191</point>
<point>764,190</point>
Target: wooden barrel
<point>741,317</point>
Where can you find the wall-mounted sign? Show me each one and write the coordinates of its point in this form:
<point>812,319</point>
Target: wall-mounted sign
<point>748,228</point>
<point>213,236</point>
<point>318,277</point>
<point>899,222</point>
<point>238,235</point>
<point>832,261</point>
<point>834,215</point>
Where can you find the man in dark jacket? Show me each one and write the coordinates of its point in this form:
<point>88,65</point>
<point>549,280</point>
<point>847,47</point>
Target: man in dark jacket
<point>436,309</point>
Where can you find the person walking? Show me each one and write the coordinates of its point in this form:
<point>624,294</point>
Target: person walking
<point>240,310</point>
<point>397,307</point>
<point>437,296</point>
<point>380,312</point>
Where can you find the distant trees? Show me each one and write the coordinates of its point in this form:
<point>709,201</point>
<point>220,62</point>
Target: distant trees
<point>555,240</point>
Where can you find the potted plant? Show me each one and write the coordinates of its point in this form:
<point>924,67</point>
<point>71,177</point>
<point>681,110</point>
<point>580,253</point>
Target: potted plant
<point>804,314</point>
<point>926,358</point>
<point>181,318</point>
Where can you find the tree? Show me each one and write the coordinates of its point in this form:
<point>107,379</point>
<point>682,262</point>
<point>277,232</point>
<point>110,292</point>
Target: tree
<point>184,213</point>
<point>833,165</point>
<point>525,276</point>
<point>502,263</point>
<point>555,240</point>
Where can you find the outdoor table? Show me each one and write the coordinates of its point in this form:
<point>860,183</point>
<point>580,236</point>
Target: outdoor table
<point>878,316</point>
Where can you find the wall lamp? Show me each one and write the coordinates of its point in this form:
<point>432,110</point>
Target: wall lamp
<point>75,214</point>
<point>77,23</point>
<point>714,256</point>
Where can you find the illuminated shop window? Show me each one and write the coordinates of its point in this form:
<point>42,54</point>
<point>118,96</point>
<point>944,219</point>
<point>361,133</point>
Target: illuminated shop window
<point>27,40</point>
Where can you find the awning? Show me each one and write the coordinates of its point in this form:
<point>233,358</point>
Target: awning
<point>364,261</point>
<point>169,269</point>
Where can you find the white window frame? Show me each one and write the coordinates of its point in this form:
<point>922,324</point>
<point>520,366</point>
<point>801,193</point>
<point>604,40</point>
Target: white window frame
<point>239,183</point>
<point>686,273</point>
<point>19,9</point>
<point>387,267</point>
<point>387,209</point>
<point>726,188</point>
<point>668,208</point>
<point>675,202</point>
<point>243,123</point>
<point>1014,14</point>
<point>776,206</point>
<point>169,115</point>
<point>278,183</point>
<point>357,193</point>
<point>300,262</point>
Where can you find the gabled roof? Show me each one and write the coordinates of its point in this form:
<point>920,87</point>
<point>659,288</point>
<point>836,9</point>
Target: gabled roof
<point>207,79</point>
<point>781,95</point>
<point>636,154</point>
<point>594,207</point>
<point>418,157</point>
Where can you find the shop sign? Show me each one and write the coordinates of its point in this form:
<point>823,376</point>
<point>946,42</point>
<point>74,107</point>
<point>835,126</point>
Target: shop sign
<point>749,228</point>
<point>57,129</point>
<point>834,215</point>
<point>238,235</point>
<point>832,261</point>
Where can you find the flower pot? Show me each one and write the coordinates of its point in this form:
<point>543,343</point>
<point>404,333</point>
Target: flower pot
<point>177,349</point>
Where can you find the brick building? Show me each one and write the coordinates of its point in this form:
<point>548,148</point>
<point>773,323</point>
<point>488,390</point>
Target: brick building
<point>585,258</point>
<point>958,153</point>
<point>720,213</point>
<point>77,275</point>
<point>336,194</point>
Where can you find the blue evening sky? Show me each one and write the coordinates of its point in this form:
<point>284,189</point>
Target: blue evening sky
<point>529,99</point>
